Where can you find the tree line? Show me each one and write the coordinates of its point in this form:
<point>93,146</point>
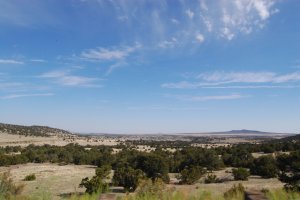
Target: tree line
<point>190,163</point>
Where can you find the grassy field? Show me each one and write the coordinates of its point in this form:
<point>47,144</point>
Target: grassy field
<point>51,179</point>
<point>55,180</point>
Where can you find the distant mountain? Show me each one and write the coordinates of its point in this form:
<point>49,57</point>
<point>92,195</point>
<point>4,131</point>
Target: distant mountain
<point>44,131</point>
<point>247,131</point>
<point>243,132</point>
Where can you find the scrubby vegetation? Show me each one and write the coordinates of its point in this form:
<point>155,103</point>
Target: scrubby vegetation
<point>30,177</point>
<point>191,174</point>
<point>240,174</point>
<point>135,169</point>
<point>8,189</point>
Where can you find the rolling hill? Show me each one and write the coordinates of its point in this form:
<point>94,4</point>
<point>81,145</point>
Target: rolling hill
<point>43,131</point>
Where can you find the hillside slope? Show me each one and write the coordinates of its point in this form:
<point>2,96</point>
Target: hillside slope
<point>43,131</point>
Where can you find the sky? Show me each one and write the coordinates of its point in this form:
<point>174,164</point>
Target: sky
<point>151,66</point>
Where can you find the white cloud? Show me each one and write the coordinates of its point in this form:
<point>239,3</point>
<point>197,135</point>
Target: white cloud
<point>10,85</point>
<point>54,74</point>
<point>168,43</point>
<point>38,60</point>
<point>262,8</point>
<point>14,96</point>
<point>203,5</point>
<point>66,79</point>
<point>106,54</point>
<point>249,77</point>
<point>174,21</point>
<point>253,87</point>
<point>112,67</point>
<point>9,61</point>
<point>219,78</point>
<point>207,98</point>
<point>200,38</point>
<point>244,16</point>
<point>190,13</point>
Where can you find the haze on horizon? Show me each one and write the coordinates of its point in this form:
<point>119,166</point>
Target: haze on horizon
<point>146,66</point>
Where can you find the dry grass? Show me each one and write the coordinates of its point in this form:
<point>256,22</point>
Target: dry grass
<point>51,179</point>
<point>57,140</point>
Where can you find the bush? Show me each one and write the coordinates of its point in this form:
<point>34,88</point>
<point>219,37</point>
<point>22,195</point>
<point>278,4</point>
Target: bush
<point>265,166</point>
<point>191,174</point>
<point>211,178</point>
<point>240,174</point>
<point>128,177</point>
<point>30,177</point>
<point>97,183</point>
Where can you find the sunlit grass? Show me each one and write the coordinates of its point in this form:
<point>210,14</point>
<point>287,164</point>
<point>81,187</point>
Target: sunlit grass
<point>281,194</point>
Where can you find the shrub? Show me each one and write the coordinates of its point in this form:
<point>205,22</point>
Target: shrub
<point>211,178</point>
<point>191,174</point>
<point>30,177</point>
<point>240,174</point>
<point>97,183</point>
<point>128,177</point>
<point>265,166</point>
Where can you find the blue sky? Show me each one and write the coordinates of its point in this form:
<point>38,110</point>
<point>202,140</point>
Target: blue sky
<point>140,66</point>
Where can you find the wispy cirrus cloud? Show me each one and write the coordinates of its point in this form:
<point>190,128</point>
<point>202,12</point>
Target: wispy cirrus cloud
<point>10,85</point>
<point>223,19</point>
<point>15,96</point>
<point>113,57</point>
<point>195,98</point>
<point>11,61</point>
<point>220,78</point>
<point>65,78</point>
<point>109,54</point>
<point>249,77</point>
<point>38,60</point>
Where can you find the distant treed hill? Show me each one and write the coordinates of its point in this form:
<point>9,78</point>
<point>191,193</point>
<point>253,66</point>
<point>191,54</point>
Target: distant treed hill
<point>292,138</point>
<point>44,131</point>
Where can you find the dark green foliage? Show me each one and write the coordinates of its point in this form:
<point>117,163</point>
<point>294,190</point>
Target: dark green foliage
<point>71,153</point>
<point>265,166</point>
<point>154,166</point>
<point>30,177</point>
<point>97,183</point>
<point>191,174</point>
<point>211,178</point>
<point>289,166</point>
<point>240,174</point>
<point>207,158</point>
<point>238,157</point>
<point>128,177</point>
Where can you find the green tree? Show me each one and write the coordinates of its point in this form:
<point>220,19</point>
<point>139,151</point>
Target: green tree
<point>191,174</point>
<point>289,166</point>
<point>265,166</point>
<point>128,177</point>
<point>97,183</point>
<point>240,174</point>
<point>154,166</point>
